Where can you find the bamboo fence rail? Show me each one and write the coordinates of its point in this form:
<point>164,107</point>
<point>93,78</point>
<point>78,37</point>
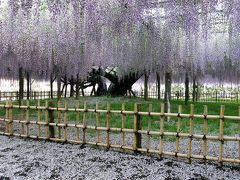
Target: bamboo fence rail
<point>50,124</point>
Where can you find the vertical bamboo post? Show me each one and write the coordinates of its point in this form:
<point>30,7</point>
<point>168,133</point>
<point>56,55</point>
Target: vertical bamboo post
<point>23,125</point>
<point>161,130</point>
<point>190,133</point>
<point>221,136</point>
<point>178,130</point>
<point>10,118</point>
<point>65,120</point>
<point>46,120</point>
<point>97,123</point>
<point>77,121</point>
<point>205,131</point>
<point>149,126</point>
<point>51,119</point>
<point>59,113</point>
<point>39,118</point>
<point>108,125</point>
<point>137,126</point>
<point>27,119</point>
<point>84,122</point>
<point>7,117</point>
<point>123,124</point>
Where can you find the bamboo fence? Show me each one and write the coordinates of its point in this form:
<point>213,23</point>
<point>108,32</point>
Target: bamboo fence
<point>46,121</point>
<point>215,96</point>
<point>14,95</point>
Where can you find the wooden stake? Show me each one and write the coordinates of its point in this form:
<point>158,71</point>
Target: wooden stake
<point>10,119</point>
<point>97,123</point>
<point>161,130</point>
<point>59,113</point>
<point>190,133</point>
<point>23,125</point>
<point>27,118</point>
<point>47,120</point>
<point>205,132</point>
<point>220,158</point>
<point>137,126</point>
<point>149,127</point>
<point>65,120</point>
<point>123,124</point>
<point>39,119</point>
<point>108,125</point>
<point>7,117</point>
<point>84,122</point>
<point>178,129</point>
<point>51,119</point>
<point>77,121</point>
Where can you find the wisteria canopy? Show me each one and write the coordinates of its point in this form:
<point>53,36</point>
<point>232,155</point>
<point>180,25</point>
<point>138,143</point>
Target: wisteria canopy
<point>68,37</point>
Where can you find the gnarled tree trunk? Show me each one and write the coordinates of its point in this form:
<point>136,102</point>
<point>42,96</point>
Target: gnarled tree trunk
<point>120,87</point>
<point>146,77</point>
<point>158,86</point>
<point>51,86</point>
<point>71,87</point>
<point>194,94</point>
<point>59,92</point>
<point>77,87</point>
<point>168,90</point>
<point>186,88</point>
<point>21,84</point>
<point>28,85</point>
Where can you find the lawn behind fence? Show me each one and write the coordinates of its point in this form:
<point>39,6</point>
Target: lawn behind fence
<point>231,127</point>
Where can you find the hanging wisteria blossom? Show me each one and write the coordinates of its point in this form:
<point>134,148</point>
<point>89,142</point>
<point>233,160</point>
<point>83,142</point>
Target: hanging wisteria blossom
<point>68,37</point>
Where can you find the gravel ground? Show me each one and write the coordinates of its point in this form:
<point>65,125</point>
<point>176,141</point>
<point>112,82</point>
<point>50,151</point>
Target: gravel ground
<point>29,159</point>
